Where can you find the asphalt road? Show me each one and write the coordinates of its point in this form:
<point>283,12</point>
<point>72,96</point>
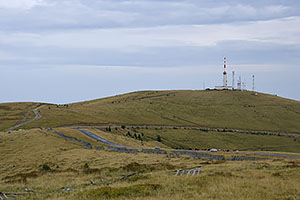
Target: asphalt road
<point>99,139</point>
<point>37,116</point>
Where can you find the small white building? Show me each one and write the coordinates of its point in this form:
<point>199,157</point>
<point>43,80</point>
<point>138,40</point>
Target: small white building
<point>224,88</point>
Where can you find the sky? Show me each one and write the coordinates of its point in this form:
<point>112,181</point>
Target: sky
<point>63,51</point>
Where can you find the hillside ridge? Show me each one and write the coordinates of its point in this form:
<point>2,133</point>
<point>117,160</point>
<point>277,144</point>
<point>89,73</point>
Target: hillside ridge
<point>243,110</point>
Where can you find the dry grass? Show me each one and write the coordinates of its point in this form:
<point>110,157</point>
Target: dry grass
<point>13,113</point>
<point>23,154</point>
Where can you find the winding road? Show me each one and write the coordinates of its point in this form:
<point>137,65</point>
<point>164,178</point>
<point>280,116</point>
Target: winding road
<point>99,139</point>
<point>37,116</point>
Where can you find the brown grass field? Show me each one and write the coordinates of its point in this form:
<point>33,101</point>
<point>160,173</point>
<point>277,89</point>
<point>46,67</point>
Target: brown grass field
<point>24,153</point>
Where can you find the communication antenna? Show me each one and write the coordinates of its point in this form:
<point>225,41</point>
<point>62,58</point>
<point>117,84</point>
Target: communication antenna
<point>233,80</point>
<point>239,83</point>
<point>253,83</point>
<point>244,85</point>
<point>203,85</point>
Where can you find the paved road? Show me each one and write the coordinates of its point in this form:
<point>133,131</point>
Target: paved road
<point>99,139</point>
<point>37,116</point>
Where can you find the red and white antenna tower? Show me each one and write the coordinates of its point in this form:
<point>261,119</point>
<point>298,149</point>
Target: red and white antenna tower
<point>225,74</point>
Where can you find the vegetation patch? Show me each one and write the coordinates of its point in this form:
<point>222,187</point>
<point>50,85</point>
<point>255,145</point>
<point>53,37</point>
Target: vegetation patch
<point>223,174</point>
<point>22,177</point>
<point>293,164</point>
<point>137,178</point>
<point>92,170</point>
<point>147,167</point>
<point>121,192</point>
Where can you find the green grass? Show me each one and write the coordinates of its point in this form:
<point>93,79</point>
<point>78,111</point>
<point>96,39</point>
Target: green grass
<point>196,139</point>
<point>224,109</point>
<point>141,190</point>
<point>221,109</point>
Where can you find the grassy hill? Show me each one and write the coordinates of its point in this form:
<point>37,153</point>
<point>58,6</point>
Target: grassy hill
<point>222,109</point>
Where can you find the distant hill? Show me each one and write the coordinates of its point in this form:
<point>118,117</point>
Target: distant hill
<point>220,109</point>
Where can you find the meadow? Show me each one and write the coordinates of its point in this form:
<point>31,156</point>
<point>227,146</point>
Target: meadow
<point>220,109</point>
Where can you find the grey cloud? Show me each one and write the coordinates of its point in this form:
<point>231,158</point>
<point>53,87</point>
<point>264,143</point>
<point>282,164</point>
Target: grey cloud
<point>239,52</point>
<point>68,14</point>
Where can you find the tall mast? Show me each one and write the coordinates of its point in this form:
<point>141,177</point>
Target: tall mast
<point>225,74</point>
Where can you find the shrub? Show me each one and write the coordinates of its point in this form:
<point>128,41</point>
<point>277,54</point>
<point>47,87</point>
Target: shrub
<point>128,134</point>
<point>45,167</point>
<point>86,166</point>
<point>139,137</point>
<point>158,138</point>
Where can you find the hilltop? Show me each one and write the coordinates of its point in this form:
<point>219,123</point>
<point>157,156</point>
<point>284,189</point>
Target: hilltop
<point>216,109</point>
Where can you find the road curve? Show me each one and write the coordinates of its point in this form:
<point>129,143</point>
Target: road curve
<point>99,139</point>
<point>37,116</point>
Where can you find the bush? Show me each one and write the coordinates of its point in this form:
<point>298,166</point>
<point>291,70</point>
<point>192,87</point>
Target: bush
<point>86,166</point>
<point>128,134</point>
<point>139,137</point>
<point>45,167</point>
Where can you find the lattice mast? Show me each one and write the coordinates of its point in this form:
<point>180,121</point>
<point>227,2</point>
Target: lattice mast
<point>225,74</point>
<point>253,83</point>
<point>233,81</point>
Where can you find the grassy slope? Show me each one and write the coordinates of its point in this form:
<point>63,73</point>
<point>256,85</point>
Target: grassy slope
<point>185,139</point>
<point>229,109</point>
<point>24,152</point>
<point>196,139</point>
<point>12,113</point>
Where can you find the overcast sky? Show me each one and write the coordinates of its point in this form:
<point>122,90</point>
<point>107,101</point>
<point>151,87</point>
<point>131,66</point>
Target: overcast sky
<point>63,51</point>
